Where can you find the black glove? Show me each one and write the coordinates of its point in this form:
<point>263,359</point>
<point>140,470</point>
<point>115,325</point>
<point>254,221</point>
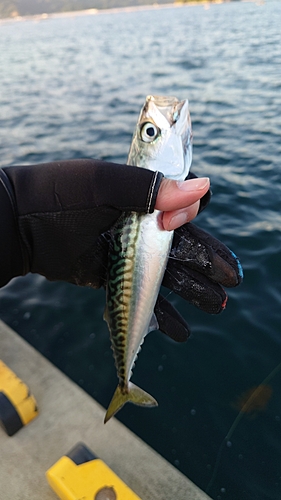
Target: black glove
<point>57,217</point>
<point>198,265</point>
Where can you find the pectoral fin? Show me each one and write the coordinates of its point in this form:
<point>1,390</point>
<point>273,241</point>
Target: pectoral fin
<point>153,325</point>
<point>133,395</point>
<point>106,314</point>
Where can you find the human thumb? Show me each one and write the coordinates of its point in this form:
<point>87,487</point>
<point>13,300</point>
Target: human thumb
<point>179,201</point>
<point>173,195</point>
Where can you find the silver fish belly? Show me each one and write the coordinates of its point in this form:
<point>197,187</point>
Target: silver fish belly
<point>140,247</point>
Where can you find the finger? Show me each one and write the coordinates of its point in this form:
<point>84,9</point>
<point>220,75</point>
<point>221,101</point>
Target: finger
<point>174,195</point>
<point>176,218</point>
<point>170,320</point>
<point>200,251</point>
<point>195,288</point>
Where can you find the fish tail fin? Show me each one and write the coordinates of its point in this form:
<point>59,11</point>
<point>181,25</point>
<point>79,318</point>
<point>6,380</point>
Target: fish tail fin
<point>133,395</point>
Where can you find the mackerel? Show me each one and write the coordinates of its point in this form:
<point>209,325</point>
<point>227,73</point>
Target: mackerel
<point>140,246</point>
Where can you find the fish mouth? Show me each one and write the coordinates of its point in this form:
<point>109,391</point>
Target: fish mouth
<point>169,106</point>
<point>163,101</point>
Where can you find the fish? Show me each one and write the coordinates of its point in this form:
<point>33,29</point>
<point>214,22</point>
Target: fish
<point>140,247</point>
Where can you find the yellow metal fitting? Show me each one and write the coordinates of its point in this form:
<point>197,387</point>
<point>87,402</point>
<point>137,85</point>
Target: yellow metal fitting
<point>17,406</point>
<point>80,474</point>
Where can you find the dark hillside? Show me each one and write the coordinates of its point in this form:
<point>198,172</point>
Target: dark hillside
<point>12,8</point>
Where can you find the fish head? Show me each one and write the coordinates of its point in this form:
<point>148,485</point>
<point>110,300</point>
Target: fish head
<point>163,137</point>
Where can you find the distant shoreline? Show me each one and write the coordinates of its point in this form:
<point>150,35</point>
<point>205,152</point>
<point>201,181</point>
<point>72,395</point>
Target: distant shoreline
<point>94,12</point>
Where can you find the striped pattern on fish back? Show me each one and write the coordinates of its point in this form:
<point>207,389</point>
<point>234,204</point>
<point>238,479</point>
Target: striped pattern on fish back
<point>120,289</point>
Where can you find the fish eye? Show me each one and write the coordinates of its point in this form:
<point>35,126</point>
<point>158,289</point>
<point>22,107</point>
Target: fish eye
<point>149,132</point>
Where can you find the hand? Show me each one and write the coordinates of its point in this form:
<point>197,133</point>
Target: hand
<point>63,211</point>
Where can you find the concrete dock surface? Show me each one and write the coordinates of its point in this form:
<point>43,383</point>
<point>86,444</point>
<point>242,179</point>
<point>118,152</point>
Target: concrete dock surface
<point>67,415</point>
